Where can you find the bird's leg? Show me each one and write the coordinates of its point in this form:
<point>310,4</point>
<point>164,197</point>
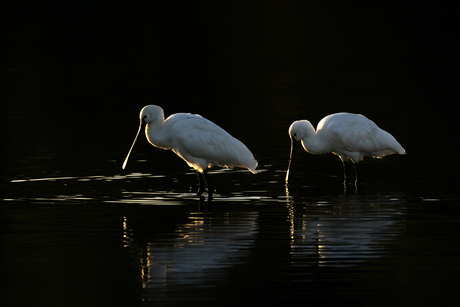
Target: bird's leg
<point>346,177</point>
<point>358,176</point>
<point>201,182</point>
<point>208,182</point>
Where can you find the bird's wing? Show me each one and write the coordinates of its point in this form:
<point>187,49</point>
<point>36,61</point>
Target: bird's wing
<point>359,134</point>
<point>195,137</point>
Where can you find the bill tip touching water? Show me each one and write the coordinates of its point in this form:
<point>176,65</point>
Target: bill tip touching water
<point>198,141</point>
<point>349,136</point>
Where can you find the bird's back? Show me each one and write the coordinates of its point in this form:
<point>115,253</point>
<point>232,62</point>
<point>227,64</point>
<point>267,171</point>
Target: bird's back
<point>201,143</point>
<point>355,136</point>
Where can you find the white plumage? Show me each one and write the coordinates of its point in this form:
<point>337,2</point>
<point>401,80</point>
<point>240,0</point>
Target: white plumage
<point>350,136</point>
<point>198,141</point>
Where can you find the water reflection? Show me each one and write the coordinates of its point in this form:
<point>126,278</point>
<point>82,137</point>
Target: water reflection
<point>201,251</point>
<point>182,248</point>
<point>343,231</point>
<point>192,256</point>
<point>89,178</point>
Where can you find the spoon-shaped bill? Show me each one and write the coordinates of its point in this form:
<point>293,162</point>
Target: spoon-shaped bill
<point>293,145</point>
<point>287,173</point>
<point>135,139</point>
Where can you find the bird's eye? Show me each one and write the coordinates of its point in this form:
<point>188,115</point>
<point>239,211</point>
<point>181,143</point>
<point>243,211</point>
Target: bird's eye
<point>144,117</point>
<point>295,135</point>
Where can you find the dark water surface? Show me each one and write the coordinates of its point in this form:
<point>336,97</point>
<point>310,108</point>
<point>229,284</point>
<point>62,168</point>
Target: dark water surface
<point>77,230</point>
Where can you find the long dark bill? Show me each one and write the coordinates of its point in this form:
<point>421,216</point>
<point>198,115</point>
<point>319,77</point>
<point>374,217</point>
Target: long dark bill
<point>135,139</point>
<point>293,145</point>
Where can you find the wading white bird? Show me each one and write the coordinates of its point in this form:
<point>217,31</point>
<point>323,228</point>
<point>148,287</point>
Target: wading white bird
<point>198,141</point>
<point>350,136</point>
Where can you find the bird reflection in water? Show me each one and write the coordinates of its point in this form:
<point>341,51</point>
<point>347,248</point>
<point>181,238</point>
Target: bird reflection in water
<point>342,231</point>
<point>192,254</point>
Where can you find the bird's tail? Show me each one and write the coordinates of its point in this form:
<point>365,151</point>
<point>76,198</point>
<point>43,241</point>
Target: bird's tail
<point>252,166</point>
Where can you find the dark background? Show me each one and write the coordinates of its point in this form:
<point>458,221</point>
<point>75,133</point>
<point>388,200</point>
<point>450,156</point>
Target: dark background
<point>78,72</point>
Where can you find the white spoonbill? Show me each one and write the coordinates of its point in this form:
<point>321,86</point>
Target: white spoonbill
<point>350,136</point>
<point>198,141</point>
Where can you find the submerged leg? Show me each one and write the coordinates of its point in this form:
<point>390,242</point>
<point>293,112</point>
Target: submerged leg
<point>358,176</point>
<point>208,182</point>
<point>201,178</point>
<point>346,177</point>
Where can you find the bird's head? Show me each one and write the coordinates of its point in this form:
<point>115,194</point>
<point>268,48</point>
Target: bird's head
<point>151,113</point>
<point>299,129</point>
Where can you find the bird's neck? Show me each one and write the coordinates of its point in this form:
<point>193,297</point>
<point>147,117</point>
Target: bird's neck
<point>156,134</point>
<point>313,144</point>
